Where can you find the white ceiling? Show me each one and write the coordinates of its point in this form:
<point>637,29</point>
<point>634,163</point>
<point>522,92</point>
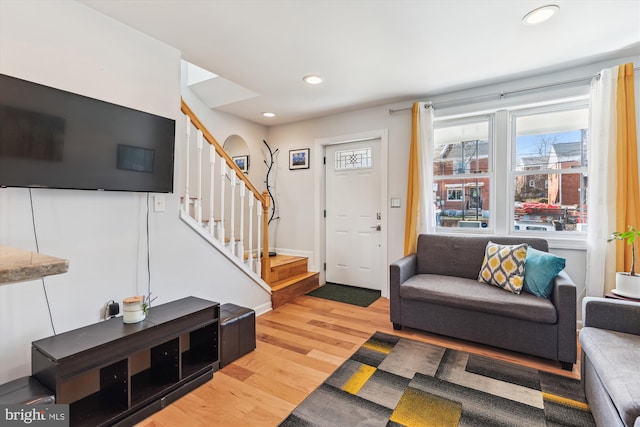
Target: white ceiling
<point>371,52</point>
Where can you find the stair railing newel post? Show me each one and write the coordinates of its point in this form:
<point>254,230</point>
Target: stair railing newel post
<point>186,178</point>
<point>265,241</point>
<point>259,212</point>
<point>198,206</point>
<point>212,164</point>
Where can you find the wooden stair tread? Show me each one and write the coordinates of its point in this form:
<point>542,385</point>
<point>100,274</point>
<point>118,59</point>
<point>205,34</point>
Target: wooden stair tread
<point>281,284</point>
<point>283,260</point>
<point>285,267</point>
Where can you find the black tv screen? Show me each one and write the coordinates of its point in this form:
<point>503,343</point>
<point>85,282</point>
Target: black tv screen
<point>56,139</point>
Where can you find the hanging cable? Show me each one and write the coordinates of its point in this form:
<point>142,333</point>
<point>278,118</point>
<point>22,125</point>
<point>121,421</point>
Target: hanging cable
<point>147,300</point>
<point>35,235</point>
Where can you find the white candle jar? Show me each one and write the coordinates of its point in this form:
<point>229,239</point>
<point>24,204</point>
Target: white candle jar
<point>133,309</point>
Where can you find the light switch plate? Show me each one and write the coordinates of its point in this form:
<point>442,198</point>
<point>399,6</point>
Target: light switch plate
<point>395,202</point>
<point>158,203</point>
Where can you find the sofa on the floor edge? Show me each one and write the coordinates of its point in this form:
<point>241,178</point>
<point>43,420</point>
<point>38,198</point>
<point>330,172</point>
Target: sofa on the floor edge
<point>610,341</point>
<point>437,290</point>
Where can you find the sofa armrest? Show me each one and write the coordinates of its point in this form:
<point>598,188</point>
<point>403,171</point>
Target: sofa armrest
<point>564,299</point>
<point>611,314</point>
<point>399,272</point>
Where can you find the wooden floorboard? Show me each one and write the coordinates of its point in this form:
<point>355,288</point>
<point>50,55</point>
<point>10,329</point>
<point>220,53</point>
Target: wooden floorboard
<point>298,346</point>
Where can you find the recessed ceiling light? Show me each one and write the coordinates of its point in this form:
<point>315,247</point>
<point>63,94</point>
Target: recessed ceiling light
<point>540,14</point>
<point>268,114</point>
<point>313,79</point>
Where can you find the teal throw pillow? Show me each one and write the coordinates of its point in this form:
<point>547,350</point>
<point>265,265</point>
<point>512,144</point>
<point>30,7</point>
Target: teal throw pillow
<point>540,269</point>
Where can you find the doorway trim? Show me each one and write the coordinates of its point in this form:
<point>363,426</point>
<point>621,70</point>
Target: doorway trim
<point>319,204</point>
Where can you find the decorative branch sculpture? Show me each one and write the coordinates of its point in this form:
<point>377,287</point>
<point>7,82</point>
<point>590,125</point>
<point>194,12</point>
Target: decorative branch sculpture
<point>269,166</point>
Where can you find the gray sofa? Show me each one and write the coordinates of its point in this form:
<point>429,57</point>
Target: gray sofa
<point>436,289</point>
<point>610,340</point>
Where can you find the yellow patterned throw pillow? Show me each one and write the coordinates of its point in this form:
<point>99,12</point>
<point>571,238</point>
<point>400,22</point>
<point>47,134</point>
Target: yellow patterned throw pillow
<point>503,266</point>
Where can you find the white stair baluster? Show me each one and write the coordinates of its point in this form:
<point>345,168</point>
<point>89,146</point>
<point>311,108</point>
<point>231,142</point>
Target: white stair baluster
<point>223,172</point>
<point>187,201</point>
<point>232,220</point>
<point>212,163</point>
<point>250,259</point>
<point>240,244</point>
<point>199,188</point>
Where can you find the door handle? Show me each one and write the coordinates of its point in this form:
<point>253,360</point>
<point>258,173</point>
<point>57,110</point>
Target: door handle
<point>377,227</point>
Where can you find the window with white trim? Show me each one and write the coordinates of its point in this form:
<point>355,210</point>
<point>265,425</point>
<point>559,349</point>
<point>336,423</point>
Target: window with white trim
<point>549,150</point>
<point>454,194</point>
<point>462,172</point>
<point>540,151</point>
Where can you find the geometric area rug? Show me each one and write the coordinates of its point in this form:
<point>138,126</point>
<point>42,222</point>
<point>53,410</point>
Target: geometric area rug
<point>395,381</point>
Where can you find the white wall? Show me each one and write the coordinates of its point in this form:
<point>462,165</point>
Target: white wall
<point>293,187</point>
<point>103,234</point>
<point>296,228</point>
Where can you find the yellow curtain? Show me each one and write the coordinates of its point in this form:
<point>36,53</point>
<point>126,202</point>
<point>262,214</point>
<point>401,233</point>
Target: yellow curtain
<point>413,186</point>
<point>627,195</point>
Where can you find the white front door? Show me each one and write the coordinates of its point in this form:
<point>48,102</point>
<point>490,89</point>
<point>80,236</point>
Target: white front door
<point>354,202</point>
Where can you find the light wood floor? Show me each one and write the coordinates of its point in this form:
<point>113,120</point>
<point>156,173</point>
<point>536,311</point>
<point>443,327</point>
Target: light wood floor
<point>298,346</point>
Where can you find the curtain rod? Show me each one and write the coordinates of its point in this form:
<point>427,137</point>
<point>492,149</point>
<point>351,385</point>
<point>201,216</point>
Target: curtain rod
<point>502,95</point>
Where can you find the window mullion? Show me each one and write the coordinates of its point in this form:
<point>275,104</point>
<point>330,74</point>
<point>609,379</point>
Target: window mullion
<point>502,156</point>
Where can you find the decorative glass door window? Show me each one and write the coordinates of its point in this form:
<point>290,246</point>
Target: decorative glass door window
<point>360,158</point>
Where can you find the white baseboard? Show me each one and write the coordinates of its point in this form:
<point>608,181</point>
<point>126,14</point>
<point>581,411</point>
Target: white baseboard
<point>263,308</point>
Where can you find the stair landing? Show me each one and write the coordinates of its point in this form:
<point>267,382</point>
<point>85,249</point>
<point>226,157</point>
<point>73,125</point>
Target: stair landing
<point>289,278</point>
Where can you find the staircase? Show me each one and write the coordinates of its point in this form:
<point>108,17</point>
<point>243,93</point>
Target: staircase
<point>289,278</point>
<point>225,208</point>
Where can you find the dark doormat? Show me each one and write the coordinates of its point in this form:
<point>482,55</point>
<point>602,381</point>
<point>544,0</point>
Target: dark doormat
<point>347,294</point>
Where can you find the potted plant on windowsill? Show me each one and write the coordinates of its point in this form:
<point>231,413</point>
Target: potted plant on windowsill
<point>627,284</point>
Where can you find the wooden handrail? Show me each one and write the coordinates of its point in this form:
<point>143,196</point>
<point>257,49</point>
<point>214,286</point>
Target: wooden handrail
<point>211,140</point>
<point>261,197</point>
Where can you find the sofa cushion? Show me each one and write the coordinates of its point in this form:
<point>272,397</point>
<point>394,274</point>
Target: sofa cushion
<point>473,295</point>
<point>503,266</point>
<point>540,270</point>
<point>461,255</point>
<point>615,357</point>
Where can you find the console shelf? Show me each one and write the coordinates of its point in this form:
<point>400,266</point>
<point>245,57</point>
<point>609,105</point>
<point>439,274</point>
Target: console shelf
<point>112,373</point>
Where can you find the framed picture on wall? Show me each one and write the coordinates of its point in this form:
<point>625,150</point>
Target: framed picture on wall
<point>242,162</point>
<point>299,159</point>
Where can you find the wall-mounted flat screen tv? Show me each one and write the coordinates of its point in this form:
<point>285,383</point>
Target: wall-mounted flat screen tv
<point>56,139</point>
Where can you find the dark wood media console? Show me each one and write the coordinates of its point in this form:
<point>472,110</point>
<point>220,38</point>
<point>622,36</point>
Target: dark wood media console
<point>113,373</point>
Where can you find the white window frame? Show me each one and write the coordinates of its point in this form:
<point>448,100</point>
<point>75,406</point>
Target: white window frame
<point>490,118</point>
<point>450,190</point>
<point>514,113</point>
<point>501,152</point>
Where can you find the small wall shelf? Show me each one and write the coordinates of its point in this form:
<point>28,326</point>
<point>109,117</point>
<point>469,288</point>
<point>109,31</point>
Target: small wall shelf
<point>113,373</point>
<point>17,265</point>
